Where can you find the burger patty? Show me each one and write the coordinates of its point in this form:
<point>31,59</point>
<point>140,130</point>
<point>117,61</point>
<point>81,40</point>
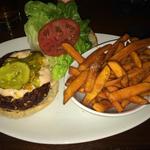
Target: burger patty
<point>30,99</point>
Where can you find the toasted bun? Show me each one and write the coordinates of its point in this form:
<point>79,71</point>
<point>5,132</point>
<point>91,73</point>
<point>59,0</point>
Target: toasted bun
<point>24,113</point>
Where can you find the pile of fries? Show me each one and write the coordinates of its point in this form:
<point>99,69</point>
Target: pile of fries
<point>113,76</point>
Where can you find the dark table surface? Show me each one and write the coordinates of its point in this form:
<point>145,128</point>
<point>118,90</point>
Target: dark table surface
<point>112,17</point>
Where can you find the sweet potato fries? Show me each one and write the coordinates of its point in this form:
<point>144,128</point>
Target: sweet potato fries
<point>113,76</point>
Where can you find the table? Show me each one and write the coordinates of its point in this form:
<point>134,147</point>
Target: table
<point>109,17</point>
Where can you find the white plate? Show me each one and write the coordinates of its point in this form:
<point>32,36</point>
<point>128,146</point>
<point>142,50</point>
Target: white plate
<point>59,124</point>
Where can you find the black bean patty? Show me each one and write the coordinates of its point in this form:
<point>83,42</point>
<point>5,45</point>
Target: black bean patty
<point>29,100</point>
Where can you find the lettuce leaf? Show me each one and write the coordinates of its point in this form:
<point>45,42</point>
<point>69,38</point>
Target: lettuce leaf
<point>59,65</point>
<point>39,13</point>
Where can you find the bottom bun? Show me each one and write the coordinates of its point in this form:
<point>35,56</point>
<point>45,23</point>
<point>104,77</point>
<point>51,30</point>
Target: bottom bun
<point>24,113</point>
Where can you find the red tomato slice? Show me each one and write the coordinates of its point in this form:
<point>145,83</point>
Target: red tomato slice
<point>56,32</point>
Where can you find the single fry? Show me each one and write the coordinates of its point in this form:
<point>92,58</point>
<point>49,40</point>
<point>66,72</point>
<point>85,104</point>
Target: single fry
<point>126,60</point>
<point>128,66</point>
<point>109,54</point>
<point>114,102</point>
<point>124,103</point>
<point>130,91</point>
<point>133,39</point>
<point>73,53</point>
<point>117,105</point>
<point>81,90</point>
<point>136,59</point>
<point>131,48</point>
<point>116,68</point>
<point>97,55</point>
<point>120,46</point>
<point>138,100</point>
<point>92,74</point>
<point>123,38</point>
<point>74,86</point>
<point>73,71</point>
<point>112,82</point>
<point>136,72</point>
<point>145,58</point>
<point>102,95</point>
<point>112,88</point>
<point>138,77</point>
<point>147,51</point>
<point>69,80</point>
<point>147,93</point>
<point>147,79</point>
<point>125,81</point>
<point>102,106</point>
<point>146,65</point>
<point>100,81</point>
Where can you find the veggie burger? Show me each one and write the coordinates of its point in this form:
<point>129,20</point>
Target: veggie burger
<point>25,83</point>
<point>29,78</point>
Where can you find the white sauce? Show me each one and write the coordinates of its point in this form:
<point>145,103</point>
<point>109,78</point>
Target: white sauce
<point>21,54</point>
<point>44,75</point>
<point>13,92</point>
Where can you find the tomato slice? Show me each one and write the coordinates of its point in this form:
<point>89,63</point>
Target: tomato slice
<point>56,32</point>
